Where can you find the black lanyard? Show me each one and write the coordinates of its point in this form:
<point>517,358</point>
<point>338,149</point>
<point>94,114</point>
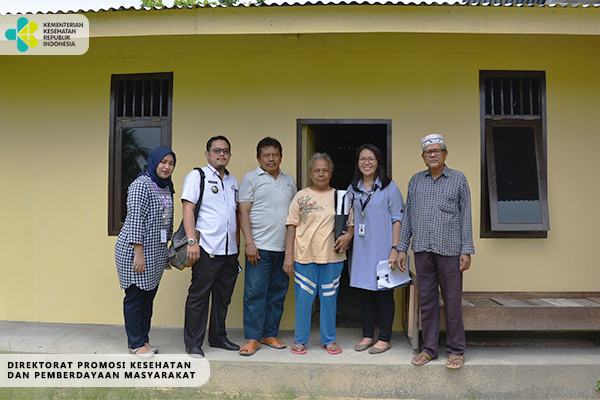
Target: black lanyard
<point>364,205</point>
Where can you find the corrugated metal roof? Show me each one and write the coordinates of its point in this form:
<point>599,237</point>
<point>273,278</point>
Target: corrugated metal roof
<point>297,3</point>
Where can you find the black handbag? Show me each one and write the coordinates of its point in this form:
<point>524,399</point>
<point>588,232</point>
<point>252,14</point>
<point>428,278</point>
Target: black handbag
<point>341,220</point>
<point>178,248</point>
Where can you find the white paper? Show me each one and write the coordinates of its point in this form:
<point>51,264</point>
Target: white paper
<point>388,278</point>
<point>340,202</point>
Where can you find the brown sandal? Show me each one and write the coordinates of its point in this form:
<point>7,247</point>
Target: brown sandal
<point>421,359</point>
<point>273,342</point>
<point>460,359</point>
<point>250,347</point>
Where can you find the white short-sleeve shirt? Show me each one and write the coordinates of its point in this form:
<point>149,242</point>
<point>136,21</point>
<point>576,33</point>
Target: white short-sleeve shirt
<point>217,217</point>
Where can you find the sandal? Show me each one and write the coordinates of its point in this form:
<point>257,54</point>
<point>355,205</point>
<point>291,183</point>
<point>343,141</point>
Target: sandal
<point>421,359</point>
<point>363,346</point>
<point>274,342</point>
<point>148,354</point>
<point>250,347</point>
<point>298,348</point>
<point>455,361</point>
<point>333,348</point>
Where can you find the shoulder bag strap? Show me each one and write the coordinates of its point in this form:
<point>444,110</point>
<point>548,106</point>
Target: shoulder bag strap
<point>197,209</point>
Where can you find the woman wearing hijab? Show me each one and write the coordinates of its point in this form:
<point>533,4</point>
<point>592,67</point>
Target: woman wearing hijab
<point>141,249</point>
<point>378,210</point>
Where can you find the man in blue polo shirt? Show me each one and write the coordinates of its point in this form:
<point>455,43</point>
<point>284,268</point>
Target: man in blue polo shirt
<point>265,197</point>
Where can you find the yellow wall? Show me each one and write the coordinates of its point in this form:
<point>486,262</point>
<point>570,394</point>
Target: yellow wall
<point>58,261</point>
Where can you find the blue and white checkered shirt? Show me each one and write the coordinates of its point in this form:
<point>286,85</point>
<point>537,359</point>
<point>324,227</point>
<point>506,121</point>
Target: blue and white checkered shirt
<point>144,221</point>
<point>438,214</point>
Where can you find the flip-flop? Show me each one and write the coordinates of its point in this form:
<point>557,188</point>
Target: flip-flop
<point>416,360</point>
<point>250,348</point>
<point>273,342</point>
<point>333,348</point>
<point>454,357</point>
<point>298,348</point>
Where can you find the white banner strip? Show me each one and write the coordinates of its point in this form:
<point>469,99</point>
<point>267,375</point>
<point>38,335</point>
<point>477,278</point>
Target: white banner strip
<point>102,370</point>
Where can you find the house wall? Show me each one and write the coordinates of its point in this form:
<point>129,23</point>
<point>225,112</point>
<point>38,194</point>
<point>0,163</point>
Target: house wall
<point>58,263</point>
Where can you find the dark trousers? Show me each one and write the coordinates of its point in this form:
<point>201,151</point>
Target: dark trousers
<point>214,276</point>
<point>434,270</point>
<point>378,307</point>
<point>266,285</point>
<point>137,311</point>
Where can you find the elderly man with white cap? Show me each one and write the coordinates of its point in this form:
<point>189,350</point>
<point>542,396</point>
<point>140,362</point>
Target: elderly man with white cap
<point>438,218</point>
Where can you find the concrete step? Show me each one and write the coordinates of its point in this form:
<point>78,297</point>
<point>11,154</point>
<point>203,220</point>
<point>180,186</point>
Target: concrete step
<point>519,372</point>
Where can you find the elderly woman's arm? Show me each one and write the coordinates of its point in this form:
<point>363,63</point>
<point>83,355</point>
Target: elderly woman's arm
<point>342,242</point>
<point>290,237</point>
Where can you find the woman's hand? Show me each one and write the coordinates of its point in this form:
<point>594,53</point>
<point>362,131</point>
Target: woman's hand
<point>394,260</point>
<point>288,265</point>
<point>139,263</point>
<point>341,243</point>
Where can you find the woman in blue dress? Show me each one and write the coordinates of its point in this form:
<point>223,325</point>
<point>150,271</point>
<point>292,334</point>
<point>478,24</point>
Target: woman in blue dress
<point>378,210</point>
<point>141,248</point>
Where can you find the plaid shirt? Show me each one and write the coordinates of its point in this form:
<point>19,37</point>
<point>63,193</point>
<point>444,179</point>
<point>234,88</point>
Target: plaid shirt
<point>438,214</point>
<point>143,224</point>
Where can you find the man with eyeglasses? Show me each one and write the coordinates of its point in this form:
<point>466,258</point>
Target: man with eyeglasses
<point>438,218</point>
<point>213,240</point>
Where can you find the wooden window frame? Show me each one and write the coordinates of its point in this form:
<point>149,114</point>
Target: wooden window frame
<point>117,125</point>
<point>490,226</point>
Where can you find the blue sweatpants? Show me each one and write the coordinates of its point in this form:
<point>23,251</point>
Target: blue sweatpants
<point>311,279</point>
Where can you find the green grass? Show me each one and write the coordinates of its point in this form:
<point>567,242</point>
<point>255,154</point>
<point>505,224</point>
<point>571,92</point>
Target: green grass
<point>131,394</point>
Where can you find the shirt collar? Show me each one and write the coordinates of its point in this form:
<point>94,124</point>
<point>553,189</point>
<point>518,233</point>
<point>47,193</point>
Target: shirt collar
<point>362,187</point>
<point>216,172</point>
<point>444,171</point>
<point>261,171</point>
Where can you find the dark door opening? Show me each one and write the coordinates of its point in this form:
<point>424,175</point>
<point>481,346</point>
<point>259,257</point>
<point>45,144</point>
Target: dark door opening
<point>340,138</point>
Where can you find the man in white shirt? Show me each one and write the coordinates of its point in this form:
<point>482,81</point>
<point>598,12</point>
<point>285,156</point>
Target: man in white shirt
<point>213,240</point>
<point>265,197</point>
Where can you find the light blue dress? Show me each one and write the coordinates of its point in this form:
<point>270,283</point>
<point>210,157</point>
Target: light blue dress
<point>385,207</point>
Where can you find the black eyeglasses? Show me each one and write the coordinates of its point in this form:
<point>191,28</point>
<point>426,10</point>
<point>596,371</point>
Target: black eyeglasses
<point>218,151</point>
<point>437,152</point>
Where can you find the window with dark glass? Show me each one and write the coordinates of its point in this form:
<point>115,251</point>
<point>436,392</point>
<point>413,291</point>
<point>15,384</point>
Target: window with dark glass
<point>514,198</point>
<point>140,122</point>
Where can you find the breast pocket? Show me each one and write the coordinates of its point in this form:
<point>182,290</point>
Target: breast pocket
<point>449,204</point>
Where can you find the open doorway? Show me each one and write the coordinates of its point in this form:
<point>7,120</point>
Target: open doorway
<point>340,138</point>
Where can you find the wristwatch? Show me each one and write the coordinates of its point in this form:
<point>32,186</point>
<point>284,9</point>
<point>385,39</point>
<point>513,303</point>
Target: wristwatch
<point>396,247</point>
<point>191,241</point>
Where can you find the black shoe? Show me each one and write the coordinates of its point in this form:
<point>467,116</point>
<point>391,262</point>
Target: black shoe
<point>194,351</point>
<point>227,345</point>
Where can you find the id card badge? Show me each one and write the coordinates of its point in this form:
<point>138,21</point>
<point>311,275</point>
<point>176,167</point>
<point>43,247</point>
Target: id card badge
<point>163,236</point>
<point>361,229</point>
